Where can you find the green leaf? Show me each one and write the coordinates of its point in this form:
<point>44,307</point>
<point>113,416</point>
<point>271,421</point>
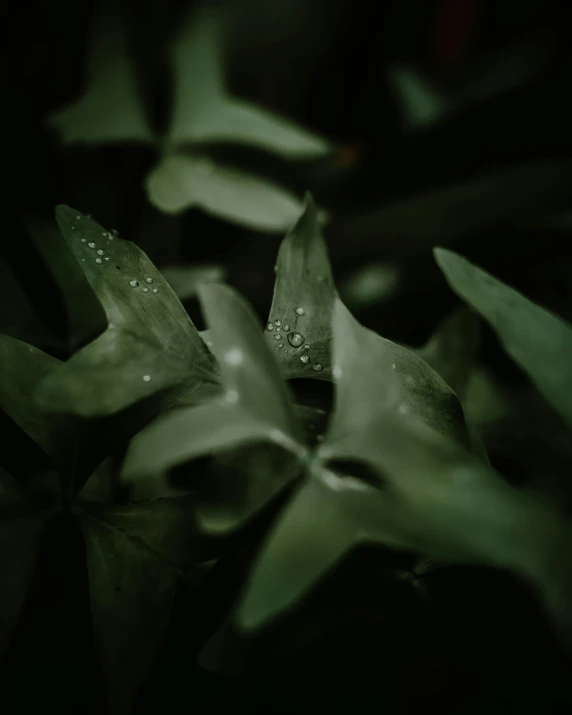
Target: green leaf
<point>304,295</point>
<point>311,535</point>
<point>444,503</point>
<point>23,368</point>
<point>181,182</point>
<point>150,343</point>
<point>185,280</point>
<point>21,530</point>
<point>85,317</point>
<point>539,341</point>
<point>248,370</point>
<point>18,317</point>
<point>377,379</point>
<point>204,111</point>
<point>256,405</point>
<point>110,110</point>
<point>135,557</point>
<point>425,103</point>
<point>452,348</point>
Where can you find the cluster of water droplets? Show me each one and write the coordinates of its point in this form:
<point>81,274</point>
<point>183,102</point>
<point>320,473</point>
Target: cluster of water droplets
<point>101,257</point>
<point>295,339</point>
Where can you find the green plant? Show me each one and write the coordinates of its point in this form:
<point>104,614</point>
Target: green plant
<point>203,116</point>
<point>397,466</point>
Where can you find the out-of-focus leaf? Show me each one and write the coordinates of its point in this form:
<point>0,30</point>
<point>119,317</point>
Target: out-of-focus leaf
<point>311,535</point>
<point>376,379</point>
<point>85,316</point>
<point>110,110</point>
<point>425,104</point>
<point>18,318</point>
<point>246,364</point>
<point>304,293</point>
<point>450,213</point>
<point>372,284</point>
<point>204,111</point>
<point>180,182</point>
<point>23,368</point>
<point>539,341</point>
<point>451,350</point>
<point>150,343</point>
<point>256,405</point>
<point>186,280</point>
<point>135,557</point>
<point>21,529</point>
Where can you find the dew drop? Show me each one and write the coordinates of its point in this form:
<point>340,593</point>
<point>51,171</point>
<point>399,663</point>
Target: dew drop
<point>286,328</point>
<point>78,217</point>
<point>393,367</point>
<point>83,240</point>
<point>278,323</point>
<point>277,336</point>
<point>155,290</point>
<point>278,328</point>
<point>148,280</point>
<point>134,283</point>
<point>146,378</point>
<point>99,260</point>
<point>106,258</point>
<point>295,339</point>
<point>305,359</point>
<point>91,244</point>
<point>306,347</point>
<point>281,345</point>
<point>300,311</point>
<point>104,234</point>
<point>73,228</point>
<point>145,290</point>
<point>115,232</point>
<point>100,252</point>
<point>270,327</point>
<point>317,367</point>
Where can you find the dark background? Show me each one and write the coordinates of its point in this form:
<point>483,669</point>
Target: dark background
<point>477,641</point>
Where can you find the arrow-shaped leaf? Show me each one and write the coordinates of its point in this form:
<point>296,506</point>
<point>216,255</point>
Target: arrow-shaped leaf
<point>205,112</point>
<point>181,181</point>
<point>150,343</point>
<point>299,324</point>
<point>110,110</point>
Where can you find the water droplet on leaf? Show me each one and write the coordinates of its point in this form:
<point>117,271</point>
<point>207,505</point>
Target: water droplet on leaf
<point>100,252</point>
<point>83,240</point>
<point>305,359</point>
<point>146,378</point>
<point>155,290</point>
<point>300,311</point>
<point>91,244</point>
<point>148,280</point>
<point>270,327</point>
<point>317,367</point>
<point>295,339</point>
<point>278,323</point>
<point>134,283</point>
<point>145,290</point>
<point>286,328</point>
<point>99,260</point>
<point>277,337</point>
